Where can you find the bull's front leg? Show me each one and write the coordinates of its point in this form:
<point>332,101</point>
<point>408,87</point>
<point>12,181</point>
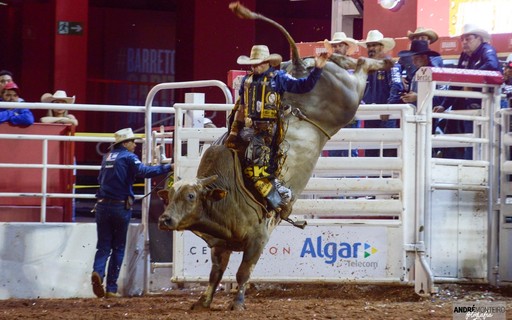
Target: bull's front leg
<point>220,259</point>
<point>243,275</point>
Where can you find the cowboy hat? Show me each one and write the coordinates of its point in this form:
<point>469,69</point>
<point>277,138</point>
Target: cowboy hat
<point>260,54</point>
<point>378,37</point>
<point>123,135</point>
<point>339,37</point>
<point>58,95</point>
<point>474,29</point>
<point>418,47</point>
<point>420,31</point>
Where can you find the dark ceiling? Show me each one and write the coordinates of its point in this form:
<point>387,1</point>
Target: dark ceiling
<point>312,9</point>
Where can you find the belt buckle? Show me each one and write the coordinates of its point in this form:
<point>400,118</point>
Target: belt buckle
<point>261,124</point>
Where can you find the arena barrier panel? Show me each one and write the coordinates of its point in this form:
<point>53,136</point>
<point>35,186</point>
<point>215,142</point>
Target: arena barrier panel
<point>54,260</point>
<point>504,132</point>
<point>458,208</point>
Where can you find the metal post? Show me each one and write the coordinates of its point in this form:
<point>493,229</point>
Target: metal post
<point>149,150</point>
<point>44,180</point>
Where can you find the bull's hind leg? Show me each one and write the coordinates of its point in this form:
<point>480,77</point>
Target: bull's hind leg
<point>344,61</point>
<point>220,259</point>
<point>366,65</point>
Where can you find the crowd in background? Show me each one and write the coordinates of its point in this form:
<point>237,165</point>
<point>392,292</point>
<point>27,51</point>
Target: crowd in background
<point>383,87</point>
<point>10,92</point>
<point>398,84</point>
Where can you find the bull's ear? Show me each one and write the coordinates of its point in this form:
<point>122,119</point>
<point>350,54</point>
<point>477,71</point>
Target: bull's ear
<point>207,181</point>
<point>164,195</point>
<point>216,194</point>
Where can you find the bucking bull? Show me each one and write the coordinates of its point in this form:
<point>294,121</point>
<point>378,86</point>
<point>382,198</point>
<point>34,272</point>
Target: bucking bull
<point>216,206</point>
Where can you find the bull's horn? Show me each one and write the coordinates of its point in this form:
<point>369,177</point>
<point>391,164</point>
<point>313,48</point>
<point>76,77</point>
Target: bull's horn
<point>245,13</point>
<point>208,180</point>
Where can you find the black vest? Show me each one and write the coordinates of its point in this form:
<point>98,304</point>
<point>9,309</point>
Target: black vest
<point>262,100</point>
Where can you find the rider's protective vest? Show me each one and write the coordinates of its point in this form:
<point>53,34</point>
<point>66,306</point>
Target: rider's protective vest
<point>261,98</point>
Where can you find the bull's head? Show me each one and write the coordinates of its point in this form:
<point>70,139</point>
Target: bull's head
<point>184,203</point>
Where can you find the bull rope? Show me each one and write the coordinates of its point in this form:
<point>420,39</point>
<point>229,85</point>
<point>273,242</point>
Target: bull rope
<point>296,112</point>
<point>157,185</point>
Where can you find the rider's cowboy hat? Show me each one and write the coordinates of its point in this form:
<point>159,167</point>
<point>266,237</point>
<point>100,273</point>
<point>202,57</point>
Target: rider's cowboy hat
<point>375,36</point>
<point>339,37</point>
<point>420,31</point>
<point>418,47</point>
<point>474,29</point>
<point>123,135</point>
<point>58,95</point>
<point>260,54</point>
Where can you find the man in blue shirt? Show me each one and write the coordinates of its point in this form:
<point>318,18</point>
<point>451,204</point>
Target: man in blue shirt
<point>382,86</point>
<point>477,54</point>
<point>14,116</point>
<point>115,196</point>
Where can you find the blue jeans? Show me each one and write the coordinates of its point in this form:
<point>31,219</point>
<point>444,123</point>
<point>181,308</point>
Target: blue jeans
<point>112,222</point>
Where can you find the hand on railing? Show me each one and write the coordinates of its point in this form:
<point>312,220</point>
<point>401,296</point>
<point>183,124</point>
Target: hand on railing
<point>160,157</point>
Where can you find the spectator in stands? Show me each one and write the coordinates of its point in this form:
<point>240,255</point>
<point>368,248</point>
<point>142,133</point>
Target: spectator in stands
<point>408,67</point>
<point>345,46</point>
<point>341,44</point>
<point>421,57</point>
<point>383,86</point>
<point>58,115</point>
<point>14,116</point>
<point>113,208</point>
<point>477,54</point>
<point>507,81</point>
<point>5,78</point>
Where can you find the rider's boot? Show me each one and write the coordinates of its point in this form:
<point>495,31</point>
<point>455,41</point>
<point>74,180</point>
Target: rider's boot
<point>278,196</point>
<point>285,207</point>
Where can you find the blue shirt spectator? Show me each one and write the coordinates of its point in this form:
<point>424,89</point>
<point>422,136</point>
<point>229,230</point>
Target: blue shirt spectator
<point>14,116</point>
<point>477,54</point>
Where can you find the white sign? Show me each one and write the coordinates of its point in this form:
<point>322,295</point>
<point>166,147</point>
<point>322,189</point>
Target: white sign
<point>315,252</point>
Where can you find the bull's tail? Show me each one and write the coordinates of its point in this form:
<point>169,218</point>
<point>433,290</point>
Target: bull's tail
<point>244,13</point>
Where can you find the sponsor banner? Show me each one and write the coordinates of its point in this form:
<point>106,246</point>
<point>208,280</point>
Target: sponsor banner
<point>315,252</point>
<point>481,310</point>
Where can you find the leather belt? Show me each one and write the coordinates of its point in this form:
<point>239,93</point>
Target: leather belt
<point>104,200</point>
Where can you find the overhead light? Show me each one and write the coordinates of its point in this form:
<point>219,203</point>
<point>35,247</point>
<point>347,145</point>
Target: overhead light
<point>391,4</point>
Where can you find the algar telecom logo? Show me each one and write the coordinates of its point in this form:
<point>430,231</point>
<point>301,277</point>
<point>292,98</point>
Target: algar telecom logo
<point>331,251</point>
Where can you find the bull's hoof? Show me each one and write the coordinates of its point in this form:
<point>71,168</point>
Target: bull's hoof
<point>198,306</point>
<point>237,306</point>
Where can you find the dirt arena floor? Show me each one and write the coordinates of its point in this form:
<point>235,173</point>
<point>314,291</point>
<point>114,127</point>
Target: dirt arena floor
<point>268,301</point>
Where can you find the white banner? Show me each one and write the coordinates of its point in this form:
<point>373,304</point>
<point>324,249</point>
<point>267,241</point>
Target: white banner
<point>315,252</point>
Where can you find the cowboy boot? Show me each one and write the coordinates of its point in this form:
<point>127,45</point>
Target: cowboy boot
<point>279,198</point>
<point>285,206</point>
